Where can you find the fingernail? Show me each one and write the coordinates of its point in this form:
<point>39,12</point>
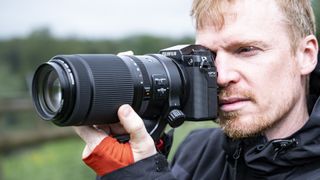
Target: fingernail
<point>126,110</point>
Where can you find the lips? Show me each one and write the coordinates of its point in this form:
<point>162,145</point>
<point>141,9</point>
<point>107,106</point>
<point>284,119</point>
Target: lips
<point>233,103</point>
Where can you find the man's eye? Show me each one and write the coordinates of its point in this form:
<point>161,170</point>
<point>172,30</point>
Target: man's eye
<point>247,51</point>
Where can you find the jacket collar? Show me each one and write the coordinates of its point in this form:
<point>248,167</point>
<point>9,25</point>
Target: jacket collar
<point>265,156</point>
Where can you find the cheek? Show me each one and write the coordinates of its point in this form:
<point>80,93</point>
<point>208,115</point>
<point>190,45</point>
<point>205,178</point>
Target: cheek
<point>271,79</point>
<point>274,85</point>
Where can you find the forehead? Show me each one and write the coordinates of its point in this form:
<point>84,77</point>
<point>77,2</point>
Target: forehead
<point>245,19</point>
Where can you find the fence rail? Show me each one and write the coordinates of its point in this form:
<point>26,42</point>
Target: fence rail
<point>15,105</point>
<point>10,140</point>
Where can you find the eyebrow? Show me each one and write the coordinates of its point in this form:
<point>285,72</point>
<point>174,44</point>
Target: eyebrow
<point>240,43</point>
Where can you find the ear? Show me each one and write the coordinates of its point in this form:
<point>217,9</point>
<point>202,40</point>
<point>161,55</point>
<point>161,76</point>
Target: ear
<point>307,54</point>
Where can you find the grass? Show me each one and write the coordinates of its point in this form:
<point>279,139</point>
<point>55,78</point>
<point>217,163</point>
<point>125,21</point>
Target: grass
<point>55,160</point>
<point>61,159</point>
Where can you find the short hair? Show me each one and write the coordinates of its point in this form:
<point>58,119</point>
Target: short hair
<point>298,14</point>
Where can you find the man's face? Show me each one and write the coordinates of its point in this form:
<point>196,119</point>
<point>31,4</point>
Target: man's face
<point>257,73</point>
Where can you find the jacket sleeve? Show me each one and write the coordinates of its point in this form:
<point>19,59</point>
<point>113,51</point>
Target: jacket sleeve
<point>184,162</point>
<point>154,167</point>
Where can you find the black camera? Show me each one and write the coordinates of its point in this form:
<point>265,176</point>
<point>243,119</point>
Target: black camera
<point>175,85</point>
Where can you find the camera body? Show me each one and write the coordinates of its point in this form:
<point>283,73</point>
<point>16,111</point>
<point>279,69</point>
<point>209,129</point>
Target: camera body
<point>201,88</point>
<point>175,85</point>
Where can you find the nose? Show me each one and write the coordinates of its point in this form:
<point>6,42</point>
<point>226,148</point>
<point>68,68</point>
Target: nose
<point>228,72</point>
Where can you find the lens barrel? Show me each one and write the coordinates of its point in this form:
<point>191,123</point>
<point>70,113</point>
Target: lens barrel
<point>89,89</point>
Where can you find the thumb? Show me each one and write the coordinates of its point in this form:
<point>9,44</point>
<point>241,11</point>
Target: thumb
<point>141,142</point>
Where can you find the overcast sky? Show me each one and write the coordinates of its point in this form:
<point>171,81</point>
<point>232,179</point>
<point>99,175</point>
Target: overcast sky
<point>96,18</point>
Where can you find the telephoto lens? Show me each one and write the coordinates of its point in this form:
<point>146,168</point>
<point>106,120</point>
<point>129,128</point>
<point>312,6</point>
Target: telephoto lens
<point>88,89</point>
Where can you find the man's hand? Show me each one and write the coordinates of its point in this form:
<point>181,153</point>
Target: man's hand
<point>141,143</point>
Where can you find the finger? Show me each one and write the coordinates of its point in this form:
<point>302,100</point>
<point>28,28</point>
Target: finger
<point>126,53</point>
<point>90,135</point>
<point>132,123</point>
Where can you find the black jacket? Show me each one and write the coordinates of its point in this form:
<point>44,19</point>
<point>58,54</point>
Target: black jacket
<point>209,154</point>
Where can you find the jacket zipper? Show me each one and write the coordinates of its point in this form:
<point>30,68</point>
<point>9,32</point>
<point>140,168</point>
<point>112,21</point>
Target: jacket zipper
<point>236,156</point>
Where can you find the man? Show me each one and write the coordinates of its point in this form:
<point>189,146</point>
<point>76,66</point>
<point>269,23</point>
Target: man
<point>265,52</point>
